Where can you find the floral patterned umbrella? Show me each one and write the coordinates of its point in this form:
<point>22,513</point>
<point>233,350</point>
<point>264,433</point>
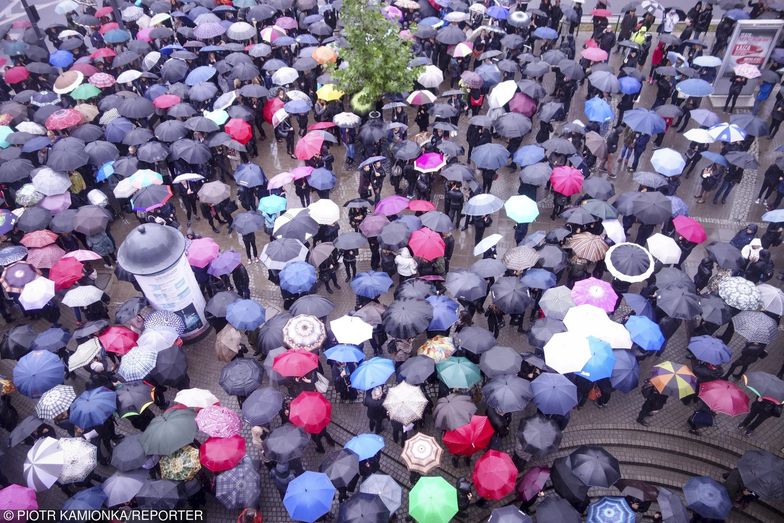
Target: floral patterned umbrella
<point>182,465</point>
<point>740,293</point>
<point>304,332</point>
<point>80,457</point>
<point>405,403</point>
<point>218,421</point>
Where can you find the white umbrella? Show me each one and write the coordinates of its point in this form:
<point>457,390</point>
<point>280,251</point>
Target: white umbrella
<point>487,243</point>
<point>284,76</point>
<point>84,354</point>
<point>37,293</point>
<point>188,177</point>
<point>82,296</point>
<point>325,212</point>
<point>156,340</point>
<point>699,135</point>
<point>614,230</point>
<point>279,116</point>
<point>80,457</point>
<point>150,60</point>
<point>128,76</point>
<point>241,31</point>
<point>351,330</point>
<point>581,317</point>
<point>43,465</point>
<point>727,132</point>
<point>430,77</point>
<point>124,188</point>
<point>567,352</point>
<point>502,93</point>
<point>49,182</point>
<point>346,120</point>
<point>668,162</point>
<point>196,398</point>
<point>664,248</point>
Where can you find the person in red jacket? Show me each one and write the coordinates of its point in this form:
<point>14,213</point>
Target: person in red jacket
<point>656,59</point>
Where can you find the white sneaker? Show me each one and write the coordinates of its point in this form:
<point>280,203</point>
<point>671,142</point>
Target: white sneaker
<point>757,201</point>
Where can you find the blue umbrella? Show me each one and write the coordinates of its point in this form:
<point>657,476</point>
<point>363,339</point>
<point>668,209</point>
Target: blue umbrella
<point>629,85</point>
<point>602,360</point>
<point>774,216</point>
<point>694,87</point>
<point>52,339</point>
<point>737,14</point>
<point>444,313</point>
<point>626,372</point>
<point>412,223</point>
<point>104,172</point>
<point>365,445</point>
<point>117,129</point>
<point>709,349</point>
<point>322,179</point>
<point>645,333</point>
<point>528,155</point>
<point>679,207</point>
<point>610,509</point>
<point>93,407</point>
<point>249,175</point>
<point>92,498</point>
<point>309,496</point>
<point>715,158</point>
<point>245,315</point>
<point>345,353</point>
<point>597,110</point>
<point>272,204</point>
<point>297,107</point>
<point>489,73</point>
<point>116,36</point>
<point>372,373</point>
<point>644,121</point>
<point>546,33</point>
<point>61,59</point>
<point>554,393</point>
<point>36,144</point>
<point>707,497</point>
<point>640,304</point>
<point>371,284</point>
<point>38,371</point>
<point>432,21</point>
<point>200,74</point>
<point>498,12</point>
<point>297,277</point>
<point>538,279</point>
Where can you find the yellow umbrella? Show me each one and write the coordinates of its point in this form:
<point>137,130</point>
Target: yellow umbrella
<point>324,55</point>
<point>329,93</point>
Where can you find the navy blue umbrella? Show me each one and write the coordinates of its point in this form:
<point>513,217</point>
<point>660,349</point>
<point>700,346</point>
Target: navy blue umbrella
<point>707,497</point>
<point>554,393</point>
<point>52,339</point>
<point>444,313</point>
<point>92,498</point>
<point>626,371</point>
<point>245,315</point>
<point>249,175</point>
<point>538,279</point>
<point>93,407</point>
<point>710,349</point>
<point>297,277</point>
<point>37,372</point>
<point>371,284</point>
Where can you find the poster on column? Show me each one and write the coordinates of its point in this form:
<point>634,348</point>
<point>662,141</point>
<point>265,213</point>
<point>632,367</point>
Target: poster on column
<point>176,289</point>
<point>752,43</point>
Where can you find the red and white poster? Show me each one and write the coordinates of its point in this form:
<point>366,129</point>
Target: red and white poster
<point>751,48</point>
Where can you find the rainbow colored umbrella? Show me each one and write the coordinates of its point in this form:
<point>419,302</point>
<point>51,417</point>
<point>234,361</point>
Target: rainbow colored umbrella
<point>673,378</point>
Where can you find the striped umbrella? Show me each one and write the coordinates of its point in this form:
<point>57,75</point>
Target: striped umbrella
<point>422,453</point>
<point>55,401</point>
<point>43,465</point>
<point>673,378</point>
<point>588,246</point>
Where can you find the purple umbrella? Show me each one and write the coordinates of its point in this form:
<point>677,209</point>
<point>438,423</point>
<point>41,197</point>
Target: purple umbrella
<point>225,263</point>
<point>427,163</point>
<point>391,205</point>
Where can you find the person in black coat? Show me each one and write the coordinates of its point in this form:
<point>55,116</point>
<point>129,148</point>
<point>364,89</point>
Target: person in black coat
<point>500,422</point>
<point>654,402</point>
<point>480,224</point>
<point>760,270</point>
<point>328,272</point>
<point>449,247</point>
<point>350,262</point>
<point>761,410</point>
<point>374,402</point>
<point>750,354</point>
<point>704,273</point>
<point>737,83</point>
<point>241,281</point>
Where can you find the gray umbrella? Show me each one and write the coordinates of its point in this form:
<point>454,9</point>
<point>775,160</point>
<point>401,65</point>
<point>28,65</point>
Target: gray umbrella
<point>552,258</point>
<point>136,108</point>
<point>159,494</point>
<point>507,393</point>
<point>435,221</point>
<point>407,318</point>
<point>262,406</point>
<point>536,69</point>
<point>241,376</point>
<point>342,467</point>
<point>312,304</point>
<point>128,455</point>
<point>174,70</point>
<point>418,369</point>
<point>742,159</point>
<point>649,179</point>
<point>474,339</point>
<point>571,70</point>
<point>394,235</point>
<point>64,160</point>
<point>452,411</point>
<point>137,136</point>
<point>501,360</point>
<point>407,150</point>
<point>679,303</point>
<point>277,253</point>
<point>511,295</point>
<point>763,473</point>
<point>15,170</point>
<point>726,255</point>
<point>599,188</point>
<point>549,111</point>
<point>536,174</point>
<point>217,305</point>
<point>248,222</point>
<point>101,152</point>
<point>271,333</point>
<point>464,284</point>
<point>652,208</point>
<point>450,35</point>
<point>560,146</point>
<point>489,268</point>
<point>34,219</point>
<point>171,131</point>
<point>121,487</point>
<point>594,466</point>
<point>512,125</point>
<point>753,125</point>
<point>240,486</point>
<point>414,289</point>
<point>672,507</point>
<point>755,326</point>
<point>490,156</point>
<point>543,329</point>
<point>192,152</point>
<point>539,435</point>
<point>285,443</point>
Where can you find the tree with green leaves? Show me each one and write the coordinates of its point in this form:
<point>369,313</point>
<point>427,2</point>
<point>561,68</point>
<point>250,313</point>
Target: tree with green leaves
<point>376,55</point>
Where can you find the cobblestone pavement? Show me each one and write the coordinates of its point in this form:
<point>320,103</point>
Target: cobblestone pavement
<point>663,453</point>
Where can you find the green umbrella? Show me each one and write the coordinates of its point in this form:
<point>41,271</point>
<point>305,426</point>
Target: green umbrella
<point>168,432</point>
<point>458,373</point>
<point>85,92</point>
<point>432,500</point>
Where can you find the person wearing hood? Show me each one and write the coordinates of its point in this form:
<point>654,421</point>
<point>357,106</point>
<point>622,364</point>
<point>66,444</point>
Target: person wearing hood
<point>751,252</point>
<point>406,264</point>
<point>374,402</point>
<point>744,236</point>
<point>704,273</point>
<point>760,270</point>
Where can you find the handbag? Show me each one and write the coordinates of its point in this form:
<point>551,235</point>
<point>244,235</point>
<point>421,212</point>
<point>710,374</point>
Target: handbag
<point>322,383</point>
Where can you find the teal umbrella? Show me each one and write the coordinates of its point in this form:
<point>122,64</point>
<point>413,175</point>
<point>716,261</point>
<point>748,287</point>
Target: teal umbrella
<point>458,373</point>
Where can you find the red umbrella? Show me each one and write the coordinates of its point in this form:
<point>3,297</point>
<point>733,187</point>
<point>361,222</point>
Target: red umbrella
<point>421,206</point>
<point>311,411</point>
<point>470,438</point>
<point>320,126</point>
<point>566,180</point>
<point>220,454</point>
<point>295,363</point>
<point>494,475</point>
<point>532,482</point>
<point>239,130</point>
<point>601,12</point>
<point>66,272</point>
<point>270,107</point>
<point>118,339</point>
<point>690,229</point>
<point>725,397</point>
<point>165,101</point>
<point>63,119</point>
<point>103,52</point>
<point>39,238</point>
<point>105,28</point>
<point>523,104</point>
<point>426,244</point>
<point>309,145</point>
<point>594,54</point>
<point>17,74</point>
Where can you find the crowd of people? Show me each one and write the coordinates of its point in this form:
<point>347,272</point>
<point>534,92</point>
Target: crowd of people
<point>173,113</point>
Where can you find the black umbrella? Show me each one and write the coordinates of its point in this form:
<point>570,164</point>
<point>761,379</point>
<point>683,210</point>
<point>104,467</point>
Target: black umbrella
<point>594,466</point>
<point>552,258</point>
<point>629,262</point>
<point>599,188</point>
<point>651,208</point>
<point>161,494</point>
<point>130,308</point>
<point>753,125</point>
<point>417,370</point>
<point>539,435</point>
<point>126,166</point>
<point>742,159</point>
<point>362,507</point>
<point>679,303</point>
<point>536,174</point>
<point>394,235</point>
<point>673,277</point>
<point>543,329</point>
<point>559,146</point>
<point>501,360</point>
<point>87,132</point>
<point>414,289</point>
<point>241,376</point>
<point>490,156</point>
<point>474,339</point>
<point>566,483</point>
<point>507,393</point>
<point>553,509</point>
<point>171,367</point>
<point>372,132</point>
<point>578,215</point>
<point>285,443</point>
<point>350,240</point>
<point>18,342</point>
<point>726,255</point>
<point>512,125</point>
<point>136,108</point>
<point>301,227</point>
<point>192,152</point>
<point>341,466</point>
<point>23,430</point>
<point>714,309</point>
<point>510,295</point>
<point>406,150</point>
<point>137,136</point>
<point>248,222</point>
<point>313,304</point>
<point>171,131</point>
<point>271,333</point>
<point>464,284</point>
<point>174,70</point>
<point>63,160</point>
<point>133,398</point>
<point>450,35</point>
<point>93,219</point>
<point>407,318</point>
<point>763,473</point>
<point>15,170</point>
<point>262,406</point>
<point>458,173</point>
<point>128,455</point>
<point>489,268</point>
<point>90,328</point>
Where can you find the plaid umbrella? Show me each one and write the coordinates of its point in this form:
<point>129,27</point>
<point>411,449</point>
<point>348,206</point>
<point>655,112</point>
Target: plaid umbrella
<point>673,378</point>
<point>239,487</point>
<point>181,465</point>
<point>520,258</point>
<point>55,401</point>
<point>421,453</point>
<point>43,464</point>
<point>80,457</point>
<point>137,364</point>
<point>755,326</point>
<point>405,403</point>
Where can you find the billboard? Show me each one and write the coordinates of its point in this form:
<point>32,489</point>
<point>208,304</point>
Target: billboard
<point>752,43</point>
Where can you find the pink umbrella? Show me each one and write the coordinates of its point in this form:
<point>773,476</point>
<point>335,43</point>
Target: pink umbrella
<point>426,244</point>
<point>429,162</point>
<point>421,206</point>
<point>302,171</point>
<point>390,205</point>
<point>217,421</point>
<point>83,255</point>
<point>392,13</point>
<point>286,22</point>
<point>523,104</point>
<point>17,497</point>
<point>202,251</point>
<point>144,34</point>
<point>279,180</point>
<point>44,257</point>
<point>594,54</point>
<point>566,180</point>
<point>595,292</point>
<point>165,101</point>
<point>56,203</point>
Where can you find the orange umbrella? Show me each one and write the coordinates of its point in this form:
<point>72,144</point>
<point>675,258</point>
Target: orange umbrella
<point>324,55</point>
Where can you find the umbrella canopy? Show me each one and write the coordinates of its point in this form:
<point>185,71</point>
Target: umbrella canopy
<point>673,378</point>
<point>763,473</point>
<point>470,438</point>
<point>709,349</point>
<point>725,397</point>
<point>740,293</point>
<point>44,464</point>
<point>554,393</point>
<point>458,373</point>
<point>494,475</point>
<point>594,466</point>
<point>405,403</point>
<point>433,500</point>
<point>384,487</point>
<point>407,318</point>
<point>539,435</point>
<point>610,509</point>
<point>372,373</point>
<point>221,454</point>
<point>169,432</point>
<point>707,497</point>
<point>421,453</point>
<point>755,326</point>
<point>453,411</point>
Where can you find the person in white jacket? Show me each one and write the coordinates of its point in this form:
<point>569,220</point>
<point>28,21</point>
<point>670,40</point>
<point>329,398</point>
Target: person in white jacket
<point>671,19</point>
<point>406,264</point>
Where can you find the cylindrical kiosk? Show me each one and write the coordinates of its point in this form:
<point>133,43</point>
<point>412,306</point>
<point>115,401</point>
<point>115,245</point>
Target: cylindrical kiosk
<point>155,255</point>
